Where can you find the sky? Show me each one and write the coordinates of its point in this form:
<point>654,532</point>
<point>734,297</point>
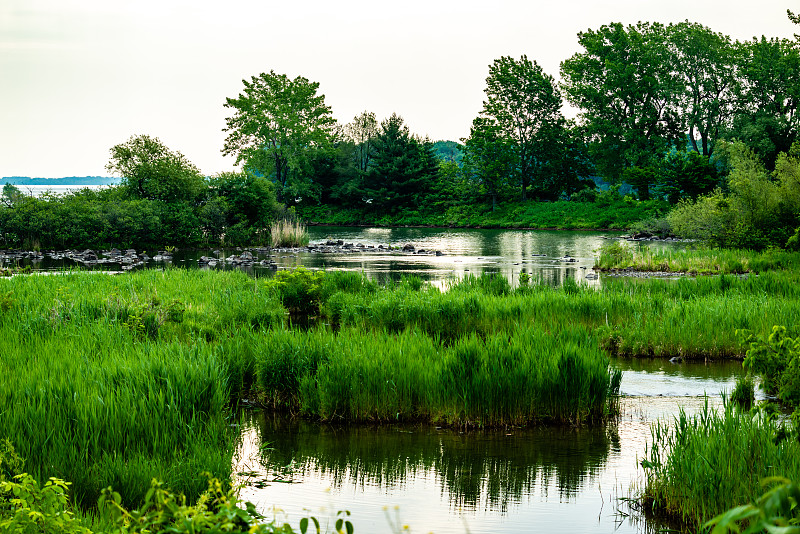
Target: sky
<point>80,76</point>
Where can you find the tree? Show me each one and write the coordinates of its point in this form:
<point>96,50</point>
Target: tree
<point>769,95</point>
<point>490,156</point>
<point>361,131</point>
<point>151,171</point>
<point>403,168</point>
<point>687,174</point>
<point>525,104</point>
<point>705,65</point>
<point>625,84</point>
<point>11,195</point>
<point>276,121</point>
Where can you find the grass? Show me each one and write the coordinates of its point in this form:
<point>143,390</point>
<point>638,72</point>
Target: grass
<point>618,255</point>
<point>698,467</point>
<point>286,233</point>
<point>114,380</point>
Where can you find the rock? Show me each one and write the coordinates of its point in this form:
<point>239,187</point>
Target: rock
<point>246,256</point>
<point>408,248</point>
<point>676,359</point>
<point>439,253</point>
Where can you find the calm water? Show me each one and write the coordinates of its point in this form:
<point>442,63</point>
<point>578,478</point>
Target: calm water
<point>551,255</point>
<point>445,481</point>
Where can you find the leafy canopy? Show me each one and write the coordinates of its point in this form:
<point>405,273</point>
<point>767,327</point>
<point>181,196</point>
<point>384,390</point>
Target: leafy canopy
<point>151,171</point>
<point>276,121</point>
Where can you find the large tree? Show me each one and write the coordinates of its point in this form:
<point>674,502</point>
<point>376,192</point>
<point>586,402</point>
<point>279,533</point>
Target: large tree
<point>769,95</point>
<point>705,66</point>
<point>151,171</point>
<point>525,105</point>
<point>276,122</point>
<point>361,131</point>
<point>625,84</point>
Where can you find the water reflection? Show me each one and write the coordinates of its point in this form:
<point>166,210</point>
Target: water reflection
<point>487,471</point>
<point>552,256</point>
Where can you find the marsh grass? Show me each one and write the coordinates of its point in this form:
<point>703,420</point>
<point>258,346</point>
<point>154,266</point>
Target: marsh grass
<point>288,233</point>
<point>114,380</point>
<point>698,467</point>
<point>618,255</point>
<point>520,377</point>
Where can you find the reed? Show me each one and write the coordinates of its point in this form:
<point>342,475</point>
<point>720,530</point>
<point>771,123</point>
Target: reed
<point>287,233</point>
<point>618,255</point>
<point>521,377</point>
<point>114,380</point>
<point>698,467</point>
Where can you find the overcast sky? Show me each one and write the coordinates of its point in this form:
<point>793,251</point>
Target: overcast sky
<point>79,76</point>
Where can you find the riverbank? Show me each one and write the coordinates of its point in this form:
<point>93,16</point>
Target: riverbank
<point>613,214</point>
<point>619,257</point>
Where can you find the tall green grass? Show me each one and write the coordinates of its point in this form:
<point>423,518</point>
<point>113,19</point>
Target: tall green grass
<point>693,318</point>
<point>110,380</point>
<point>698,467</point>
<point>618,255</point>
<point>113,380</point>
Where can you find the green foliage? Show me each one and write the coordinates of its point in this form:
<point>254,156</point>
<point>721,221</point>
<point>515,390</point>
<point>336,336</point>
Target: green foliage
<point>777,510</point>
<point>743,393</point>
<point>699,467</point>
<point>402,168</point>
<point>240,206</point>
<point>758,211</point>
<point>768,120</point>
<point>151,171</point>
<point>686,174</point>
<point>624,81</point>
<point>276,122</point>
<point>298,289</point>
<point>520,126</point>
<point>25,507</point>
<point>618,255</point>
<point>777,360</point>
<point>614,255</point>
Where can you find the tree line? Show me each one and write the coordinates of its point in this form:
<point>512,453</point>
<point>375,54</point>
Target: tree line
<point>655,104</point>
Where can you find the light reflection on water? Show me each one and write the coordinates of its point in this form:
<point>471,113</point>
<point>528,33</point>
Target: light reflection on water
<point>552,256</point>
<point>541,479</point>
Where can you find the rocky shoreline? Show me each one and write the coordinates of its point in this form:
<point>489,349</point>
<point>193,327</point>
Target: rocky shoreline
<point>130,259</point>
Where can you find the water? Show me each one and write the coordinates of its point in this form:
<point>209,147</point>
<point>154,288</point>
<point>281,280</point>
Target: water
<point>446,481</point>
<point>552,256</point>
<point>39,190</point>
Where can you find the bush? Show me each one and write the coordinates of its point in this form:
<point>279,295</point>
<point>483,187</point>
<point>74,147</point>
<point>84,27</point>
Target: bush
<point>299,290</point>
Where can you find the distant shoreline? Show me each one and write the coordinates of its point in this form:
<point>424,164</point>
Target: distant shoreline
<point>66,181</point>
